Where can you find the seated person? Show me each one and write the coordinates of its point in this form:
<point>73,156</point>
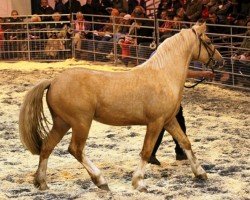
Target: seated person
<point>241,58</point>
<point>80,28</point>
<point>13,34</point>
<point>142,29</point>
<point>58,30</point>
<point>105,35</point>
<point>194,10</point>
<point>165,27</point>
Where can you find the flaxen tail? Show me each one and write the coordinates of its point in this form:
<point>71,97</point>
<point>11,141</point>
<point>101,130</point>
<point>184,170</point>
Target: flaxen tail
<point>33,126</point>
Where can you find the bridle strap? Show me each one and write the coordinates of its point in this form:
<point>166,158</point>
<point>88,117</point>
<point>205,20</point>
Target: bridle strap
<point>209,50</point>
<point>210,54</point>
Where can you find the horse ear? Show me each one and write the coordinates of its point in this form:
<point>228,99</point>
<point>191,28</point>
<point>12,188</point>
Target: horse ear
<point>200,28</point>
<point>204,27</point>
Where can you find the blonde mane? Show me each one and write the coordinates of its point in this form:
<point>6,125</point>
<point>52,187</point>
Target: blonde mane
<point>168,51</point>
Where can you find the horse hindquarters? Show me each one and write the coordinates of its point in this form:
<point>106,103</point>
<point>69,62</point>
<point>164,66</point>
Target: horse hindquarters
<point>33,134</point>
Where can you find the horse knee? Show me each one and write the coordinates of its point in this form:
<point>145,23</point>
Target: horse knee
<point>185,144</point>
<point>76,152</point>
<point>145,155</point>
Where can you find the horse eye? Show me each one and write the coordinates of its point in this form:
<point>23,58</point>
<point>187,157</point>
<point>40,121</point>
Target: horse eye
<point>209,42</point>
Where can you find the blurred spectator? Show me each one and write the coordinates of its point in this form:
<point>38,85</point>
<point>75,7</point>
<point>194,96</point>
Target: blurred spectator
<point>44,9</point>
<point>184,4</point>
<point>119,4</point>
<point>14,34</point>
<point>35,35</point>
<point>57,26</point>
<point>225,8</point>
<point>205,10</point>
<point>123,38</point>
<point>212,19</point>
<point>15,27</point>
<point>244,50</point>
<point>177,24</point>
<point>239,20</point>
<point>125,44</point>
<point>58,32</point>
<point>165,27</point>
<point>133,3</point>
<point>60,7</point>
<point>105,35</point>
<point>80,28</point>
<point>161,7</point>
<point>120,26</point>
<point>102,7</point>
<point>88,9</point>
<point>244,7</point>
<point>125,24</point>
<point>34,27</point>
<point>143,29</point>
<point>193,11</point>
<point>173,28</point>
<point>180,13</point>
<point>73,6</point>
<point>173,6</point>
<point>213,6</point>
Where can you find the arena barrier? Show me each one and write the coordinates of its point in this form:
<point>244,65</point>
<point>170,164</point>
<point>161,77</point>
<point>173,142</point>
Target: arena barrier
<point>101,41</point>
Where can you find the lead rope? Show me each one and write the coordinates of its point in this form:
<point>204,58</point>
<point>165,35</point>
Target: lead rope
<point>198,82</point>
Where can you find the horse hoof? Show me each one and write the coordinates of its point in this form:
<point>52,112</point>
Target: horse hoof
<point>142,189</point>
<point>104,187</point>
<point>43,187</point>
<point>40,186</point>
<point>202,176</point>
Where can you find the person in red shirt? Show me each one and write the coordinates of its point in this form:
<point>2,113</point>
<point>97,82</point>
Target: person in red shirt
<point>125,46</point>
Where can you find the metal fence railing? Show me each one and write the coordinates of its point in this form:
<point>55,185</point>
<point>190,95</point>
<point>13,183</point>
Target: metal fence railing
<point>119,41</point>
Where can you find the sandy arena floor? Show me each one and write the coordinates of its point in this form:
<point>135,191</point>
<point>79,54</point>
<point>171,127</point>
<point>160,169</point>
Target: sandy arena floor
<point>218,125</point>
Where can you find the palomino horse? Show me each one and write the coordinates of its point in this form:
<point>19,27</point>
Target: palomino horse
<point>149,94</point>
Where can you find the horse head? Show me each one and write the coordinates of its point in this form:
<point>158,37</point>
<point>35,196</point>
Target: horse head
<point>205,51</point>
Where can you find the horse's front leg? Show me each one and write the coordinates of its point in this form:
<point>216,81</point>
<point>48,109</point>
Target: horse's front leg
<point>174,129</point>
<point>153,131</point>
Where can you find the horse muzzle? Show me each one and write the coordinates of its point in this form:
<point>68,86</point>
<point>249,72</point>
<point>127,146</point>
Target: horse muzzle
<point>217,64</point>
<point>220,63</point>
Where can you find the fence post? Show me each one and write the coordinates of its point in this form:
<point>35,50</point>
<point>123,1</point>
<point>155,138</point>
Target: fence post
<point>28,40</point>
<point>114,41</point>
<point>232,63</point>
<point>73,49</point>
<point>157,32</point>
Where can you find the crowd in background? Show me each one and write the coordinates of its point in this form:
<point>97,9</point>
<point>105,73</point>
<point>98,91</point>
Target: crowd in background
<point>127,25</point>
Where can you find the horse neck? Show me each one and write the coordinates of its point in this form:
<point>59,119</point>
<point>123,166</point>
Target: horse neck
<point>173,57</point>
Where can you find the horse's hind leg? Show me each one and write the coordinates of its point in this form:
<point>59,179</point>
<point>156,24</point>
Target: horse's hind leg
<point>153,131</point>
<point>174,129</point>
<point>57,132</point>
<point>76,148</point>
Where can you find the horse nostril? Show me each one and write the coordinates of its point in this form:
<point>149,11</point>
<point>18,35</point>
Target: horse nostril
<point>221,63</point>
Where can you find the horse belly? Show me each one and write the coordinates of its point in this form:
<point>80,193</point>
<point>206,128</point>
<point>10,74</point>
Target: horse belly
<point>120,116</point>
